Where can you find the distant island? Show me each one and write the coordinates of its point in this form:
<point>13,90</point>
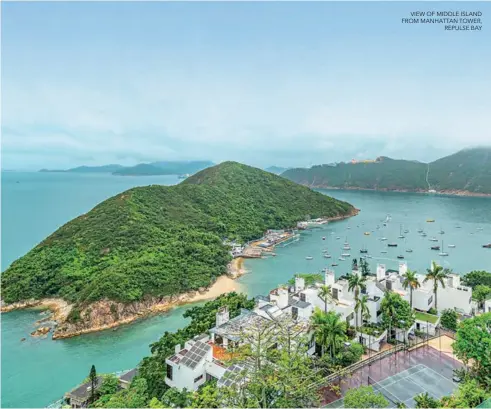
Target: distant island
<point>276,170</point>
<point>149,247</point>
<point>88,169</point>
<point>142,169</point>
<point>467,172</point>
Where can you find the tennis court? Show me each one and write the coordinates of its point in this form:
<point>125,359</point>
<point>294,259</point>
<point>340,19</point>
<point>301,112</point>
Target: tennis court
<point>405,385</point>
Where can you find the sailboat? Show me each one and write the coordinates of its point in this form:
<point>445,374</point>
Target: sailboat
<point>443,253</point>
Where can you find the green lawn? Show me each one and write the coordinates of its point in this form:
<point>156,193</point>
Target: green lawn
<point>423,316</point>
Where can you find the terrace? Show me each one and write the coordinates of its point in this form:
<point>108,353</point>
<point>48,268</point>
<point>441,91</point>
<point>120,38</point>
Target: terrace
<point>425,317</point>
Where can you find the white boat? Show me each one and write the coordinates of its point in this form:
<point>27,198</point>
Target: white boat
<point>423,234</point>
<point>341,259</point>
<point>480,228</point>
<point>452,246</point>
<point>345,247</point>
<point>433,239</point>
<point>327,256</point>
<point>323,238</point>
<point>409,251</point>
<point>384,251</point>
<point>337,238</point>
<point>383,239</point>
<point>345,255</point>
<point>309,258</point>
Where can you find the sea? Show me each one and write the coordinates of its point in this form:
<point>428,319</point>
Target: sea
<point>36,372</point>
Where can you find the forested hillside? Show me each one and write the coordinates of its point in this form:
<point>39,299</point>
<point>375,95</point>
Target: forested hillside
<point>468,170</point>
<point>161,240</point>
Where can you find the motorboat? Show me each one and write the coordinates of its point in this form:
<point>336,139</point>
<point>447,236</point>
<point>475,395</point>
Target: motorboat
<point>430,221</point>
<point>309,258</point>
<point>400,257</point>
<point>433,239</point>
<point>435,247</point>
<point>384,251</point>
<point>423,234</point>
<point>341,259</point>
<point>383,239</point>
<point>323,238</point>
<point>392,244</point>
<point>345,255</point>
<point>334,264</point>
<point>443,254</point>
<point>487,246</point>
<point>363,251</point>
<point>367,233</point>
<point>409,251</point>
<point>327,256</point>
<point>452,246</point>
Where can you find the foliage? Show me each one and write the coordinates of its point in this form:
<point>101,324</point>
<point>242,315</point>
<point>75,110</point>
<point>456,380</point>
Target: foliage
<point>481,293</point>
<point>155,403</point>
<point>432,311</point>
<point>285,383</point>
<point>469,169</point>
<point>93,382</point>
<point>469,395</point>
<point>206,396</point>
<point>396,312</point>
<point>310,278</point>
<point>175,398</point>
<point>424,400</point>
<point>135,396</point>
<point>162,240</point>
<point>473,343</point>
<point>364,397</point>
<point>474,278</point>
<point>365,267</point>
<point>411,282</point>
<point>110,384</point>
<point>202,319</point>
<point>345,357</point>
<point>325,294</point>
<point>437,274</point>
<point>330,330</point>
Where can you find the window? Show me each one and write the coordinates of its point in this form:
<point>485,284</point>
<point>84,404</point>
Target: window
<point>294,313</point>
<point>335,293</point>
<point>302,297</point>
<point>198,378</point>
<point>169,371</point>
<point>430,300</point>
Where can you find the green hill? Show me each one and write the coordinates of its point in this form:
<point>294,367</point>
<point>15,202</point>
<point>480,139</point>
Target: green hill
<point>161,240</point>
<point>467,170</point>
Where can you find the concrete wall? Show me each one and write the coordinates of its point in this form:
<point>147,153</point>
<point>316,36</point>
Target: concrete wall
<point>449,297</point>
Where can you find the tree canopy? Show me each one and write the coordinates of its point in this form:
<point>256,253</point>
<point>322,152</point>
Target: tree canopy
<point>162,240</point>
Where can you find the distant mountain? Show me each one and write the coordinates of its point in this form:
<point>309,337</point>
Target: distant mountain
<point>164,168</point>
<point>467,171</point>
<point>276,170</point>
<point>88,169</point>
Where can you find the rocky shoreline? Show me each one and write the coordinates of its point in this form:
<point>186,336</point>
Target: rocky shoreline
<point>67,320</point>
<point>105,314</point>
<point>421,191</point>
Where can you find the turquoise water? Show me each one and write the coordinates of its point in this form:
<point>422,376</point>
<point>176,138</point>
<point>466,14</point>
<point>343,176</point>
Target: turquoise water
<point>38,371</point>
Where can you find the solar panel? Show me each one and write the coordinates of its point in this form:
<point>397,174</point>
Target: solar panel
<point>233,374</point>
<point>196,354</point>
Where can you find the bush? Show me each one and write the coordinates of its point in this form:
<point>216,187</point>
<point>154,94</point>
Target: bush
<point>364,397</point>
<point>449,319</point>
<point>432,311</point>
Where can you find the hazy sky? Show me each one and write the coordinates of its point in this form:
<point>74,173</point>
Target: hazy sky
<point>289,84</point>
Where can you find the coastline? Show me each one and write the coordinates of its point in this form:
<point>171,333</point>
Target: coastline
<point>105,314</point>
<point>455,192</point>
<point>60,309</point>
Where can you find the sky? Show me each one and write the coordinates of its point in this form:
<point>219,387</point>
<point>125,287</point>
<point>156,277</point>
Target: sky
<point>287,84</point>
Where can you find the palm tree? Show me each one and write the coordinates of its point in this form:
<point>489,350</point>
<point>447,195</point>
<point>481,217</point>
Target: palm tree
<point>319,326</point>
<point>356,283</point>
<point>362,306</point>
<point>336,328</point>
<point>437,274</point>
<point>411,281</point>
<point>325,295</point>
<point>329,329</point>
<point>388,306</point>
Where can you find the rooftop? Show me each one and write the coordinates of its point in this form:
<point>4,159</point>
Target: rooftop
<point>423,316</point>
<point>84,391</point>
<point>233,328</point>
<point>196,354</point>
<point>128,376</point>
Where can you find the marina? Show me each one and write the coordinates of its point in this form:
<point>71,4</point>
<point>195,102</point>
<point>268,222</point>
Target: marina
<point>65,361</point>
